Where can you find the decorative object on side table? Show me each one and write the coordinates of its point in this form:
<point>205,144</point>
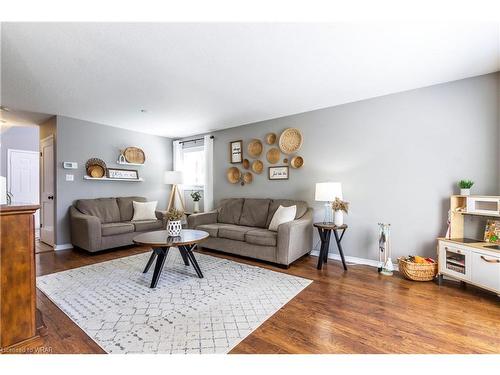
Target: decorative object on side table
<point>278,173</point>
<point>465,186</point>
<point>174,224</point>
<point>196,195</point>
<point>339,207</point>
<point>174,178</point>
<point>385,266</point>
<point>122,174</point>
<point>325,230</point>
<point>235,152</point>
<point>328,192</point>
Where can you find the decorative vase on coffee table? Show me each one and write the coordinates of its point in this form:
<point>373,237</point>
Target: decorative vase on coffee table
<point>174,228</point>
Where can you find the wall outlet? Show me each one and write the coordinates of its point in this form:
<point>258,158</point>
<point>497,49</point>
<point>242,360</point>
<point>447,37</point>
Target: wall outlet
<point>70,177</point>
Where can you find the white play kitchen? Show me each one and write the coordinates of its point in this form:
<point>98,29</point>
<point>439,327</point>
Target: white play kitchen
<point>472,260</point>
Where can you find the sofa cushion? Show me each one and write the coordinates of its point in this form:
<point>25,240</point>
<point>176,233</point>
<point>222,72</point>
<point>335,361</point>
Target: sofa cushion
<point>145,225</point>
<point>254,212</point>
<point>211,229</point>
<point>126,207</point>
<point>263,237</point>
<point>230,210</point>
<point>105,209</point>
<point>110,229</point>
<point>275,203</point>
<point>233,232</point>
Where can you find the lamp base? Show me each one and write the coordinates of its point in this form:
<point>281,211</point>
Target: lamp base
<point>328,218</point>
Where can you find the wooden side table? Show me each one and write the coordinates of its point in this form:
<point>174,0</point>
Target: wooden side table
<point>325,230</point>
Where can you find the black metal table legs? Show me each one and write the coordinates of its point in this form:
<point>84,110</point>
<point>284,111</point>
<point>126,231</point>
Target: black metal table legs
<point>161,254</point>
<point>324,235</point>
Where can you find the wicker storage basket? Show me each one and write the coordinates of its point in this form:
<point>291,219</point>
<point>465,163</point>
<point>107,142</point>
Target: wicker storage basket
<point>417,271</point>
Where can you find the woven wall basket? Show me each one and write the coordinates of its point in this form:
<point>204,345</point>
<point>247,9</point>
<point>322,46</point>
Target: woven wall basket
<point>233,175</point>
<point>273,155</point>
<point>257,166</point>
<point>134,155</point>
<point>290,140</point>
<point>254,148</point>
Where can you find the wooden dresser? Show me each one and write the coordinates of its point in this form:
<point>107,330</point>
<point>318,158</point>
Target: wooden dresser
<point>17,277</point>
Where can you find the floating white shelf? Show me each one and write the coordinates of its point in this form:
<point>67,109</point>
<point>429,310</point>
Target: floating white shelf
<point>125,163</point>
<point>112,179</point>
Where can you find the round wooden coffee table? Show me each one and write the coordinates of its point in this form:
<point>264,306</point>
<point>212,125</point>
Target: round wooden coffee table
<point>161,242</point>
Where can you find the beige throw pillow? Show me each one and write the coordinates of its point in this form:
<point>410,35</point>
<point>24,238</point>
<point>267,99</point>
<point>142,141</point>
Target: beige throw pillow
<point>281,216</point>
<point>144,210</point>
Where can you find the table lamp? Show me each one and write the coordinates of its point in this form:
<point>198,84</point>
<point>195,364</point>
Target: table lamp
<point>173,178</point>
<point>327,192</point>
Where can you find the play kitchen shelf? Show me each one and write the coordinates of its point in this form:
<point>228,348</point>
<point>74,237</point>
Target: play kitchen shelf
<point>470,260</point>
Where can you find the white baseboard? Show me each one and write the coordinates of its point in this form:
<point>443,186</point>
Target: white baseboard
<point>354,260</point>
<point>64,246</point>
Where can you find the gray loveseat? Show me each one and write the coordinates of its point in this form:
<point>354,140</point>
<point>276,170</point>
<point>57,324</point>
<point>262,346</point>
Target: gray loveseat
<point>239,226</point>
<point>104,223</point>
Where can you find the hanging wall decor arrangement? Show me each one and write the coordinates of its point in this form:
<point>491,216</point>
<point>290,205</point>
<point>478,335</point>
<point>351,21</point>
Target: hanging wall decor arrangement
<point>255,148</point>
<point>290,140</point>
<point>236,152</point>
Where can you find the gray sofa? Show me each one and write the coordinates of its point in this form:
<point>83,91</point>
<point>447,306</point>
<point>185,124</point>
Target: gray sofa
<point>105,223</point>
<point>239,226</point>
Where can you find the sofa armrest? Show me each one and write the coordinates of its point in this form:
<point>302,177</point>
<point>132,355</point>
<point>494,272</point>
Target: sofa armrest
<point>85,230</point>
<point>295,238</point>
<point>203,218</point>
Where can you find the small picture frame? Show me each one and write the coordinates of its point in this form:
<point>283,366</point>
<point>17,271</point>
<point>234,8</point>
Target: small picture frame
<point>122,174</point>
<point>236,152</point>
<point>278,172</point>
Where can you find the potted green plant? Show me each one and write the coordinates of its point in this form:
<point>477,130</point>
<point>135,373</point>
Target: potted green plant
<point>174,224</point>
<point>465,186</point>
<point>196,195</point>
<point>339,207</point>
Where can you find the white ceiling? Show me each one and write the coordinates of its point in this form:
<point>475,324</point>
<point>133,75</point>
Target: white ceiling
<point>192,78</point>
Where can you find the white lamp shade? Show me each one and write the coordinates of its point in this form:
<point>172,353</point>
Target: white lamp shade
<point>328,191</point>
<point>172,177</point>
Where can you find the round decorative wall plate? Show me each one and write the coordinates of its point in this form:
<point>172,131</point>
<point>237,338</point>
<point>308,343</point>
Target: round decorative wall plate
<point>257,166</point>
<point>95,168</point>
<point>254,148</point>
<point>134,155</point>
<point>247,177</point>
<point>297,162</point>
<point>233,175</point>
<point>290,140</point>
<point>246,163</point>
<point>270,138</point>
<point>273,155</point>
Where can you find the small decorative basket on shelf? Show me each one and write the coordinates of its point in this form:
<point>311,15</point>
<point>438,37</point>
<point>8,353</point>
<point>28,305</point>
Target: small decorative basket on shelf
<point>417,271</point>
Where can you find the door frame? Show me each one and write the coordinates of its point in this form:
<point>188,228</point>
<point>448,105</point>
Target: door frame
<point>53,139</point>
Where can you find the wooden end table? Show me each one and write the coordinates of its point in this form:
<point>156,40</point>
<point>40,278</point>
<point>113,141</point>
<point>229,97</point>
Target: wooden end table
<point>325,230</point>
<point>161,242</point>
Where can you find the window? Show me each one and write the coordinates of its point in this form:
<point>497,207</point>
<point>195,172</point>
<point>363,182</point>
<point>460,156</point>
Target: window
<point>193,167</point>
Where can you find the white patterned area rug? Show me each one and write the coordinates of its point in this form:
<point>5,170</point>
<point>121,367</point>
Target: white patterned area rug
<point>113,303</point>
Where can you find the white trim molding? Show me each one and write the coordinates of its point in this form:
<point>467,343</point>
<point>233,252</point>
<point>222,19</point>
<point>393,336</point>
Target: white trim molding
<point>64,246</point>
<point>355,260</point>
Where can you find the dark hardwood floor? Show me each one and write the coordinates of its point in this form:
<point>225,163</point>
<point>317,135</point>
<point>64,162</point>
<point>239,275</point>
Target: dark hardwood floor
<point>357,311</point>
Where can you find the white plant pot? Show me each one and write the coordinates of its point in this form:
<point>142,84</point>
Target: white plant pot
<point>464,191</point>
<point>338,218</point>
<point>196,207</point>
<point>174,228</point>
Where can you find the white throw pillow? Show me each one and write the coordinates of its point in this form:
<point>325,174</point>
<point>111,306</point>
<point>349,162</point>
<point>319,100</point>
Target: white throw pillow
<point>281,216</point>
<point>144,210</point>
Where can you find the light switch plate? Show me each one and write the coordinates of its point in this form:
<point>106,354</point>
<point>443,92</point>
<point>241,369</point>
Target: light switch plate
<point>70,177</point>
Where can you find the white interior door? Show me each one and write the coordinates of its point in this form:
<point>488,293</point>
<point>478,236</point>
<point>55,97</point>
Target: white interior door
<point>23,178</point>
<point>47,186</point>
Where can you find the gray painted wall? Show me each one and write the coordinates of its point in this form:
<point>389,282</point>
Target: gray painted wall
<point>79,141</point>
<point>398,157</point>
<point>19,138</point>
